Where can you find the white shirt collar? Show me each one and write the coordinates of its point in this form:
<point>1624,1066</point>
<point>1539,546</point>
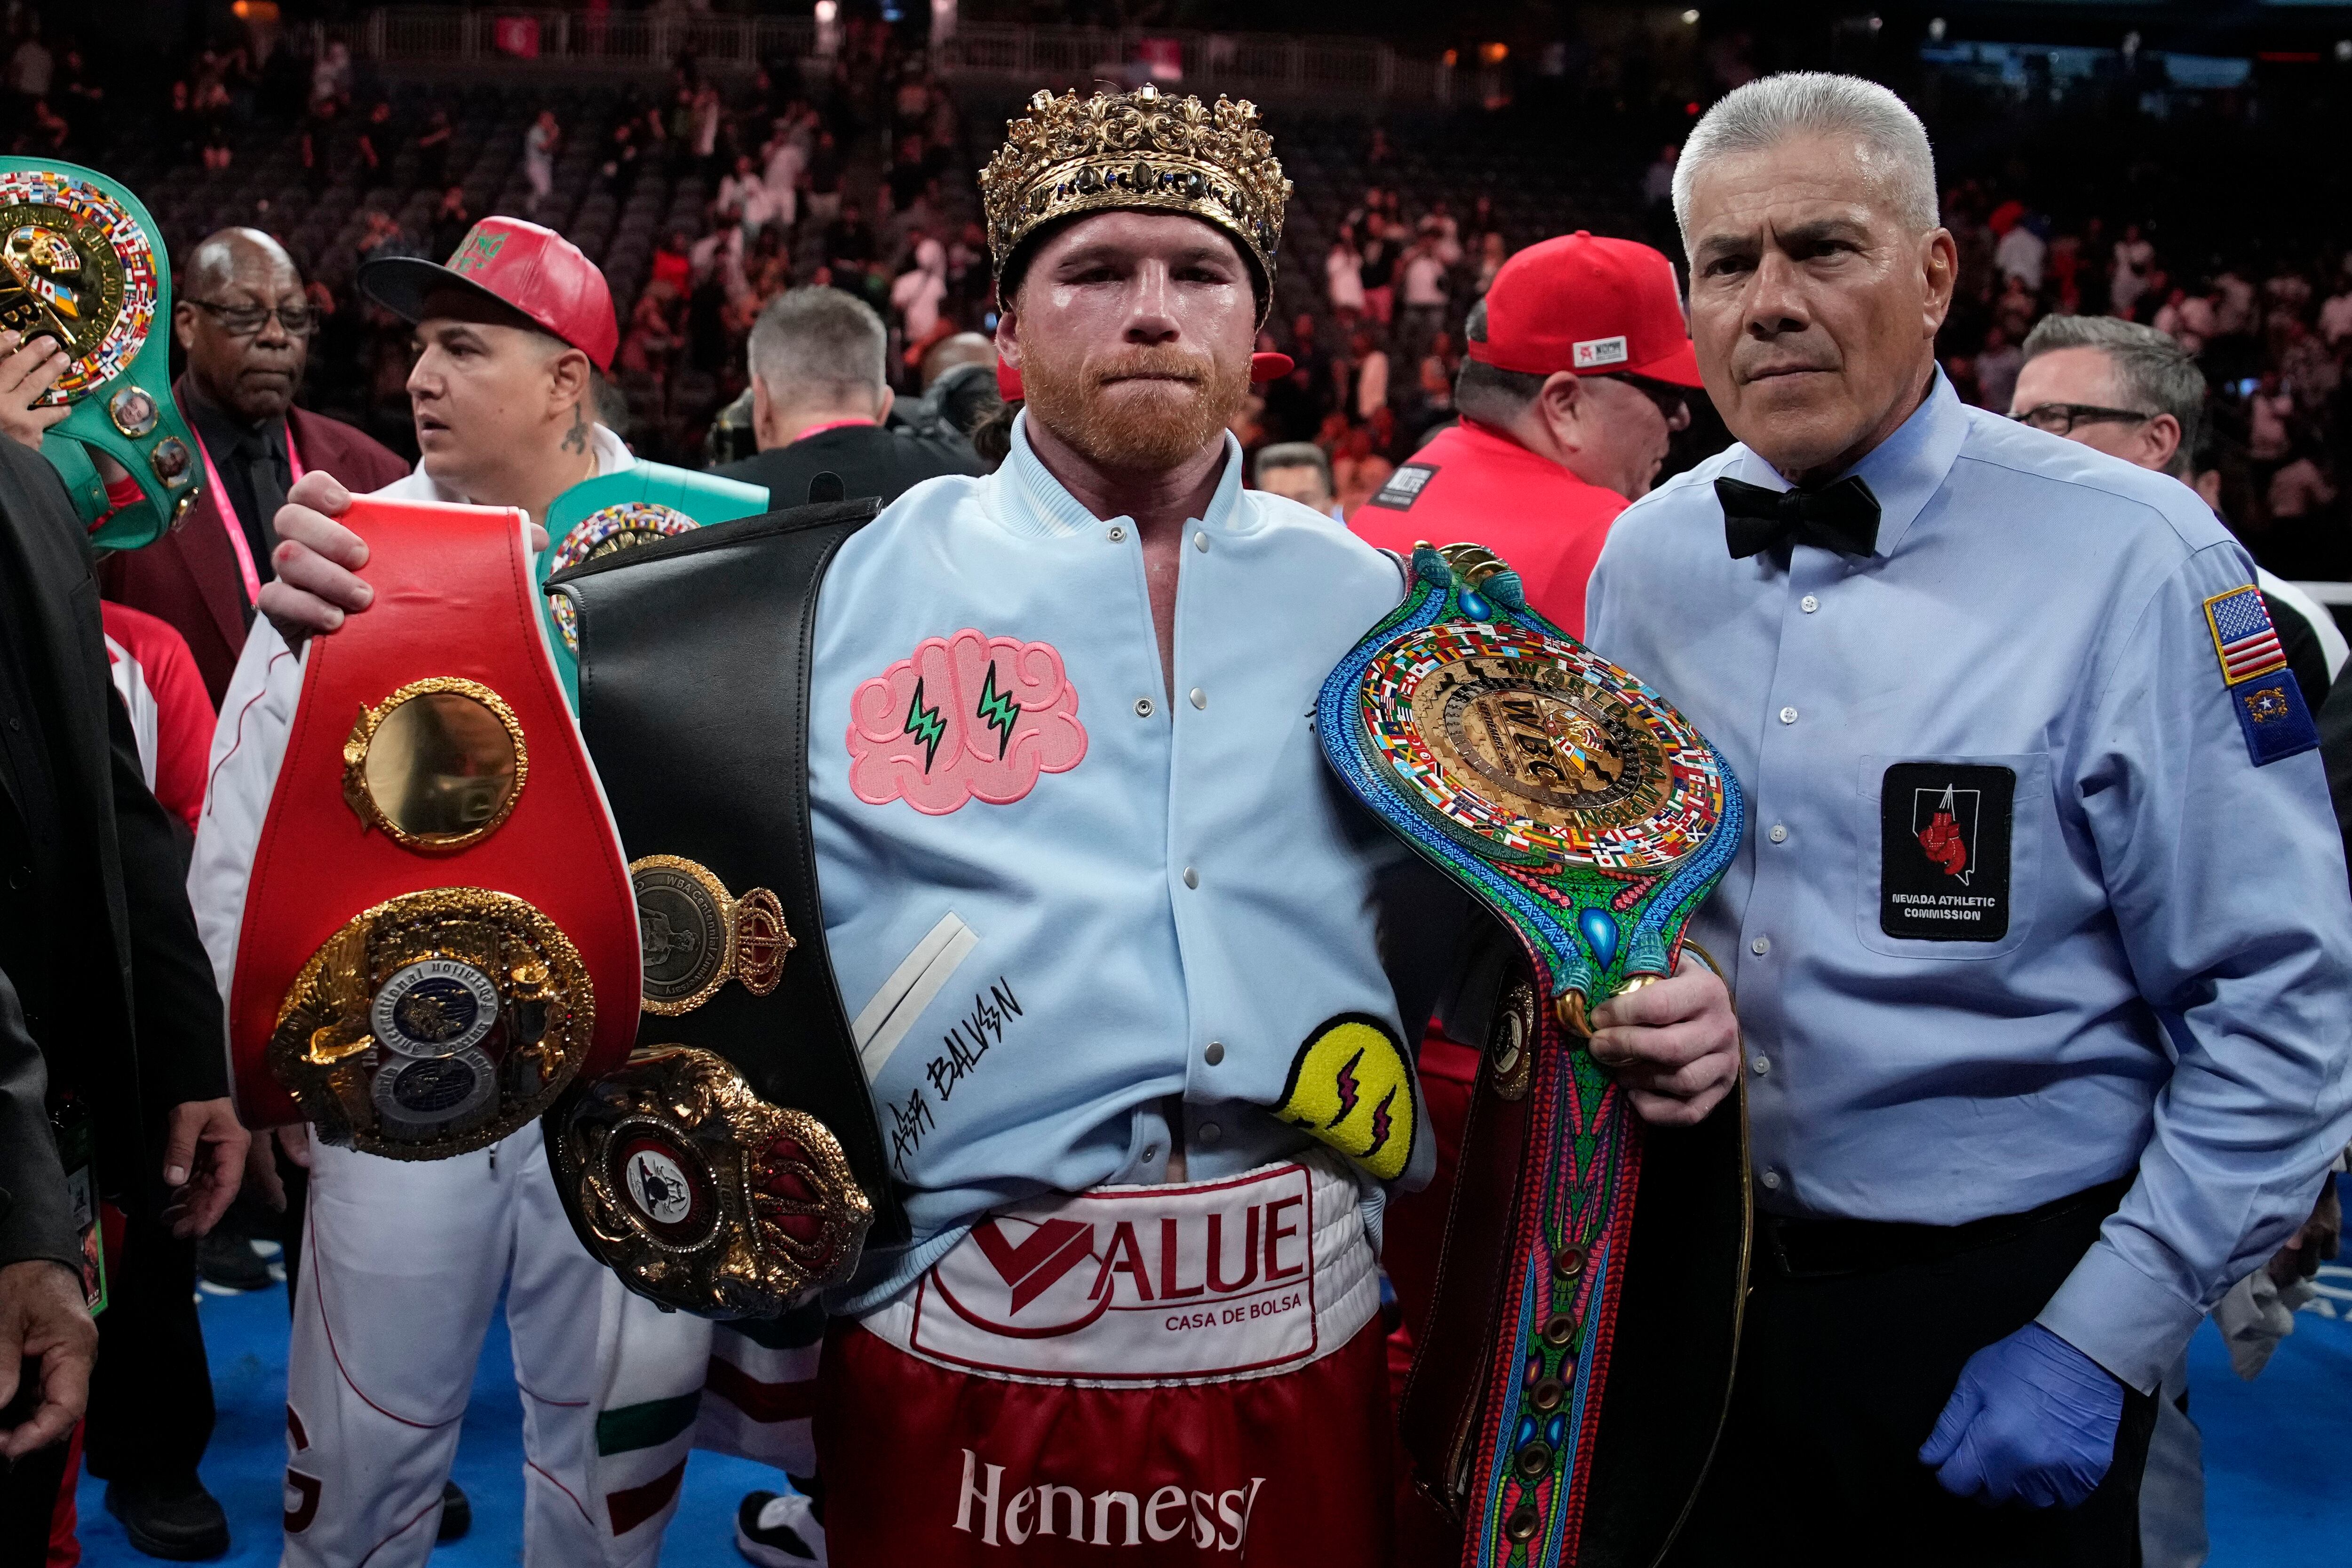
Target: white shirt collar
<point>612,456</point>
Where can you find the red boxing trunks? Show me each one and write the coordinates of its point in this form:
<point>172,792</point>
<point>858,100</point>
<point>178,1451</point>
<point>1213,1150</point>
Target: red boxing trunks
<point>1180,1374</point>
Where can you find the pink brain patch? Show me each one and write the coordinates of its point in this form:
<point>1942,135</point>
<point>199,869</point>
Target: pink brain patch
<point>967,717</point>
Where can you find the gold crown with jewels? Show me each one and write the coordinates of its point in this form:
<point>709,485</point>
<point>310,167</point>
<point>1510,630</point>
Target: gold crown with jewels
<point>1070,155</point>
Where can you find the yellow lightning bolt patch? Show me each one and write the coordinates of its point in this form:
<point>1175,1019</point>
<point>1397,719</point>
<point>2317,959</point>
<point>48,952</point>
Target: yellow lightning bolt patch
<point>1351,1087</point>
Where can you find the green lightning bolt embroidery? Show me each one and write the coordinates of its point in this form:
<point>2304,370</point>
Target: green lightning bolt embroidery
<point>997,711</point>
<point>926,725</point>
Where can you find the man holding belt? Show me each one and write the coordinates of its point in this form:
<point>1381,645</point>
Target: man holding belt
<point>1152,903</point>
<point>404,1261</point>
<point>2040,932</point>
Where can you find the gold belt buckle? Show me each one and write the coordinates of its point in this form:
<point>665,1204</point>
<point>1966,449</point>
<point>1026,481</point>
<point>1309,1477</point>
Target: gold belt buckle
<point>434,1024</point>
<point>697,936</point>
<point>704,1196</point>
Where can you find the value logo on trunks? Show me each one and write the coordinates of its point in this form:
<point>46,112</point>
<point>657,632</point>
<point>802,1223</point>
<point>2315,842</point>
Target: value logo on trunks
<point>1131,1283</point>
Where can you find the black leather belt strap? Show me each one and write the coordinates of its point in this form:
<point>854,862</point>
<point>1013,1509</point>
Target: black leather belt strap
<point>693,697</point>
<point>1827,1249</point>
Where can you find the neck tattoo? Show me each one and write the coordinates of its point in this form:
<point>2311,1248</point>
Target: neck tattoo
<point>576,438</point>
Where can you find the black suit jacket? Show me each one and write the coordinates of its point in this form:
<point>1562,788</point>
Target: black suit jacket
<point>871,461</point>
<point>138,1026</point>
<point>34,1221</point>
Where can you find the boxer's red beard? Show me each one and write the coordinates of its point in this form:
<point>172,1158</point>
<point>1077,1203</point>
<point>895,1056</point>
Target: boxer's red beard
<point>1135,425</point>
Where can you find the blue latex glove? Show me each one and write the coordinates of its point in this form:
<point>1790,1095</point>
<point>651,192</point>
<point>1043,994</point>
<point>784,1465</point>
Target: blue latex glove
<point>2032,1418</point>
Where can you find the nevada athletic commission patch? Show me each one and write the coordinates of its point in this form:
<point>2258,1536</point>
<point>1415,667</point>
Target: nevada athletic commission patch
<point>1943,868</point>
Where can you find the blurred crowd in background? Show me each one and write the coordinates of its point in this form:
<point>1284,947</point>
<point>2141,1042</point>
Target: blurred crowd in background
<point>706,195</point>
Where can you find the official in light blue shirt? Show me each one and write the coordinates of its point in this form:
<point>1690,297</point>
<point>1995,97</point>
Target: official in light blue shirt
<point>2144,969</point>
<point>2041,891</point>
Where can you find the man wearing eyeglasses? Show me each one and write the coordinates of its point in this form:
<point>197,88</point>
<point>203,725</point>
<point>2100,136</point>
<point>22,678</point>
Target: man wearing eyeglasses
<point>2131,391</point>
<point>245,323</point>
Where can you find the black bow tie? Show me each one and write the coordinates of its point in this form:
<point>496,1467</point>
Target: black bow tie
<point>1841,517</point>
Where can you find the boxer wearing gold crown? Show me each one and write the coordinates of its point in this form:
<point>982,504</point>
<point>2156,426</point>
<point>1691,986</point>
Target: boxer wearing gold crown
<point>1128,976</point>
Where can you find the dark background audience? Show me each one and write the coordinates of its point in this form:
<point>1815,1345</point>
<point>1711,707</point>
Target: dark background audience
<point>2184,201</point>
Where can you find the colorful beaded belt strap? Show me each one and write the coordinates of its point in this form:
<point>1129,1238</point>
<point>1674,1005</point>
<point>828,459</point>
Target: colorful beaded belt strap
<point>1580,807</point>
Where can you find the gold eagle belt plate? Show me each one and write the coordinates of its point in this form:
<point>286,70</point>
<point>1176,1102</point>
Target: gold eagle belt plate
<point>434,1024</point>
<point>702,1196</point>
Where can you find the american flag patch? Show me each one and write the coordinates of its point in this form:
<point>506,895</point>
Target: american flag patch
<point>2243,637</point>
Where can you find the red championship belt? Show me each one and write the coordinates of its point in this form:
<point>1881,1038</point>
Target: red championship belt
<point>440,934</point>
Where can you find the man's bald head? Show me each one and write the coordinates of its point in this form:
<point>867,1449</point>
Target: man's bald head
<point>241,356</point>
<point>961,348</point>
<point>228,256</point>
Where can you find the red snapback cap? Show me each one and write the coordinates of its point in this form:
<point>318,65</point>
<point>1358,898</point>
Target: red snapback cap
<point>1594,306</point>
<point>527,267</point>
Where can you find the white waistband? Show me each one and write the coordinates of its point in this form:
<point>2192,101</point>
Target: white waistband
<point>1121,1287</point>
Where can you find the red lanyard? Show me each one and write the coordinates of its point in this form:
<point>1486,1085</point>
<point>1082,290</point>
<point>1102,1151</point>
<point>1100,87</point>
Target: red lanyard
<point>229,513</point>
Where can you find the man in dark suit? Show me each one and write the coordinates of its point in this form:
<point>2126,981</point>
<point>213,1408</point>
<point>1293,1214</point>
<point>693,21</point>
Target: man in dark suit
<point>245,322</point>
<point>43,1317</point>
<point>98,939</point>
<point>819,400</point>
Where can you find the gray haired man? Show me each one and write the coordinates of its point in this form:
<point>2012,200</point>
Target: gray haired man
<point>2130,391</point>
<point>819,400</point>
<point>2040,934</point>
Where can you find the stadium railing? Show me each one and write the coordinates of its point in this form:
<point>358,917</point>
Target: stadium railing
<point>1271,66</point>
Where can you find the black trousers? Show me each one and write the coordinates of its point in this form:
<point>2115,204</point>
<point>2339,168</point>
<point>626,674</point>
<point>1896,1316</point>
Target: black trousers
<point>28,1497</point>
<point>150,1394</point>
<point>1842,1375</point>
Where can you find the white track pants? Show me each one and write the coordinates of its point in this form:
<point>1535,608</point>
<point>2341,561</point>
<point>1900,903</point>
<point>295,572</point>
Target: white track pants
<point>401,1270</point>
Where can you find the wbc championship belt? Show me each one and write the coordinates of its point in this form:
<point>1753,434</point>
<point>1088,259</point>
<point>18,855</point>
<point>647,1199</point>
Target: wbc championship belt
<point>81,262</point>
<point>618,511</point>
<point>1576,805</point>
<point>438,933</point>
<point>735,1164</point>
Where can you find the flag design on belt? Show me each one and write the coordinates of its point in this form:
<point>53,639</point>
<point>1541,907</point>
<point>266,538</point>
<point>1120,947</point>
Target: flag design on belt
<point>2244,636</point>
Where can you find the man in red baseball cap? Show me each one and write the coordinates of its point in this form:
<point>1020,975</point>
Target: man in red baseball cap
<point>404,1262</point>
<point>511,335</point>
<point>1578,361</point>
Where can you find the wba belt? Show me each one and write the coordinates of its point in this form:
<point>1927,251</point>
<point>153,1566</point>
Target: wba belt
<point>735,1164</point>
<point>438,933</point>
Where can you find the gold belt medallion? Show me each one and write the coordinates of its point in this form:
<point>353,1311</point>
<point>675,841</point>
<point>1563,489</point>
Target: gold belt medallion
<point>434,1024</point>
<point>702,1196</point>
<point>77,266</point>
<point>439,764</point>
<point>697,936</point>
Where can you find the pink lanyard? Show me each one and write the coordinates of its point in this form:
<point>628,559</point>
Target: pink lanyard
<point>235,529</point>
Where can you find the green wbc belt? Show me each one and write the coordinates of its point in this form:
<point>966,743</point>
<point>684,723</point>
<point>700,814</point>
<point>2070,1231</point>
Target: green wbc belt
<point>81,262</point>
<point>619,512</point>
<point>1592,818</point>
